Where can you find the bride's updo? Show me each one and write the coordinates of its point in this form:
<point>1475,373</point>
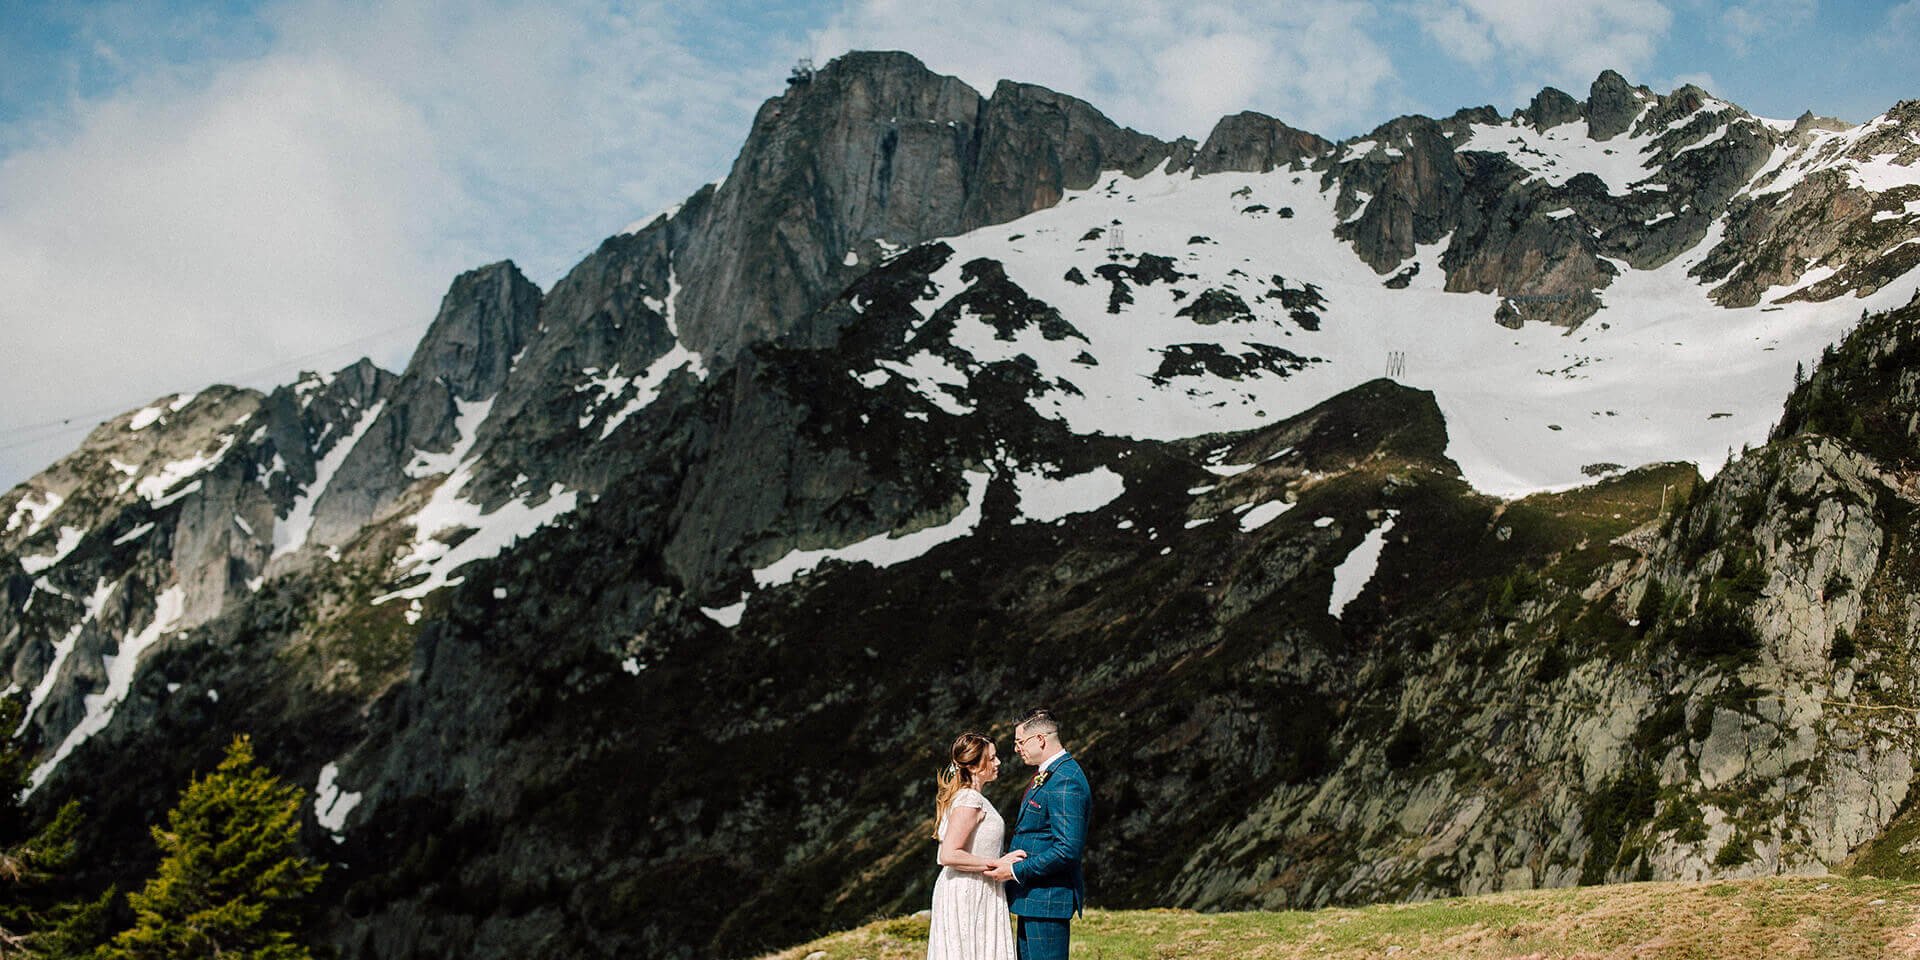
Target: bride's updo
<point>969,750</point>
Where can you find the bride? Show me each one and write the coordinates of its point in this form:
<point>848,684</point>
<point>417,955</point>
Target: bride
<point>970,920</point>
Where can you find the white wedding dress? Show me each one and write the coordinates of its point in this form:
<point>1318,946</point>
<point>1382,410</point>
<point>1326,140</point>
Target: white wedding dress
<point>970,920</point>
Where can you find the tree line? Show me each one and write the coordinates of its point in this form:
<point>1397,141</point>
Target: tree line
<point>231,880</point>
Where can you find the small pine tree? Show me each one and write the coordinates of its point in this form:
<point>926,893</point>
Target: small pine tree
<point>231,877</point>
<point>30,857</point>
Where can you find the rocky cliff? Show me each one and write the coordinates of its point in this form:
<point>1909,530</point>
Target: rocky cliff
<point>630,617</point>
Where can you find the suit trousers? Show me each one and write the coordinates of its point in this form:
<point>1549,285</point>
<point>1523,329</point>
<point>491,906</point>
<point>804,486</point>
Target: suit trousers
<point>1042,938</point>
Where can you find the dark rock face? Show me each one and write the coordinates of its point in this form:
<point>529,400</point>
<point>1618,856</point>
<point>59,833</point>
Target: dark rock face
<point>1256,143</point>
<point>1612,105</point>
<point>1551,107</point>
<point>1036,144</point>
<point>877,147</point>
<point>1414,197</point>
<point>1216,306</point>
<point>484,321</point>
<point>1548,269</point>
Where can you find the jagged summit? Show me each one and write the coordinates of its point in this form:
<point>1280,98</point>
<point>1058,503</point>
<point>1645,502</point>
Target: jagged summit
<point>877,153</point>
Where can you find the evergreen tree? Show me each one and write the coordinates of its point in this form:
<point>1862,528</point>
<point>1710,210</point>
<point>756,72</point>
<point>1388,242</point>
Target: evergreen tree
<point>231,877</point>
<point>30,858</point>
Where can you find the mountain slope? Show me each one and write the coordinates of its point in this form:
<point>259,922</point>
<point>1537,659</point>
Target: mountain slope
<point>627,618</point>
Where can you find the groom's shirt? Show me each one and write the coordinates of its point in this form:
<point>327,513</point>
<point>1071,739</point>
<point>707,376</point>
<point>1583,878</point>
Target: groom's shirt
<point>1045,765</point>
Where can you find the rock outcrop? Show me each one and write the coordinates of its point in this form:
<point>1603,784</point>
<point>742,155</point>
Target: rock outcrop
<point>1256,143</point>
<point>874,153</point>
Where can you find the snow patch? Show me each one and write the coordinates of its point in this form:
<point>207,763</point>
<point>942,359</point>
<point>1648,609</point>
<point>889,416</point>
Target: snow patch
<point>332,804</point>
<point>883,550</point>
<point>928,374</point>
<point>1557,154</point>
<point>1356,571</point>
<point>63,648</point>
<point>290,534</point>
<point>1045,499</point>
<point>1263,514</point>
<point>153,487</point>
<point>135,534</point>
<point>33,510</point>
<point>468,416</point>
<point>646,386</point>
<point>1881,173</point>
<point>120,668</point>
<point>1230,469</point>
<point>729,615</point>
<point>70,538</point>
<point>492,532</point>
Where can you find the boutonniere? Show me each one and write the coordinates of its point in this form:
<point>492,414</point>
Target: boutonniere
<point>1041,778</point>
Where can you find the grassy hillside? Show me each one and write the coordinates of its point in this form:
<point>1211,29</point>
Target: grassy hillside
<point>1801,917</point>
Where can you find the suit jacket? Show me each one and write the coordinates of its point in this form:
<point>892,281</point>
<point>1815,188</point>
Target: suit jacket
<point>1051,827</point>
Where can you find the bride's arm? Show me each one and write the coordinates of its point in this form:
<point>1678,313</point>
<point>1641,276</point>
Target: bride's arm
<point>961,822</point>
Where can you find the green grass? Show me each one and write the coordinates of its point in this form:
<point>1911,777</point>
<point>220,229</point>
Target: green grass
<point>1729,920</point>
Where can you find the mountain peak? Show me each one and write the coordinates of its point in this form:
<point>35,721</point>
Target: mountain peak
<point>875,152</point>
<point>1255,143</point>
<point>1612,104</point>
<point>484,319</point>
<point>1551,107</point>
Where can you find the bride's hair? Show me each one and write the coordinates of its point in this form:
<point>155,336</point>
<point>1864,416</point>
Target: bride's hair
<point>968,750</point>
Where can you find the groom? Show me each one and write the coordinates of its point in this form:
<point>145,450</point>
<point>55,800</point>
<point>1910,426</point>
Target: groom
<point>1046,889</point>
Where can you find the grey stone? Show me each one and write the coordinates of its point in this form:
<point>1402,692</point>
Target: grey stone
<point>1612,105</point>
<point>1251,142</point>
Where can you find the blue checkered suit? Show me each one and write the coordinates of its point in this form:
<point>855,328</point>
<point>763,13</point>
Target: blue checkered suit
<point>1048,888</point>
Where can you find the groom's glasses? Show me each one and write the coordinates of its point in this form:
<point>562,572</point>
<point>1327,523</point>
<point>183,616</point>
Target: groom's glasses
<point>1031,736</point>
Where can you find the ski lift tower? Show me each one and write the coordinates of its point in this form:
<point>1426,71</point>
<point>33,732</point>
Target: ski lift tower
<point>1116,241</point>
<point>802,72</point>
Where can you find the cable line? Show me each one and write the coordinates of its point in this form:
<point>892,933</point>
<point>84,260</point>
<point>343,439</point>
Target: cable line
<point>47,429</point>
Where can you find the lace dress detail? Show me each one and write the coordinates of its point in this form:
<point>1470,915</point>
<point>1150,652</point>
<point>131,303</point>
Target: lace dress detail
<point>970,920</point>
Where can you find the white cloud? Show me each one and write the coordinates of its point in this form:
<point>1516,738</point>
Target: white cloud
<point>1466,38</point>
<point>182,237</point>
<point>1565,45</point>
<point>307,194</point>
<point>1166,69</point>
<point>1762,19</point>
<point>1902,26</point>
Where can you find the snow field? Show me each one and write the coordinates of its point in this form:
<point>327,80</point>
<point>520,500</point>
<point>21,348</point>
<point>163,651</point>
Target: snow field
<point>1660,373</point>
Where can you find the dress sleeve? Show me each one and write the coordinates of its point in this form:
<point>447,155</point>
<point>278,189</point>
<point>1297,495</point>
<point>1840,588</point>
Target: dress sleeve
<point>970,798</point>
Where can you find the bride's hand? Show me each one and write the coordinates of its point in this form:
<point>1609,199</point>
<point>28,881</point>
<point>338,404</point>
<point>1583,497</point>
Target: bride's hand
<point>1014,856</point>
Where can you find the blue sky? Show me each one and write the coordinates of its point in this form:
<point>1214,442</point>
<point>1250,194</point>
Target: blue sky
<point>230,192</point>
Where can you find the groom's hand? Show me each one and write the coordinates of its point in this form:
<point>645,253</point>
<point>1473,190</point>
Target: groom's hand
<point>1002,870</point>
